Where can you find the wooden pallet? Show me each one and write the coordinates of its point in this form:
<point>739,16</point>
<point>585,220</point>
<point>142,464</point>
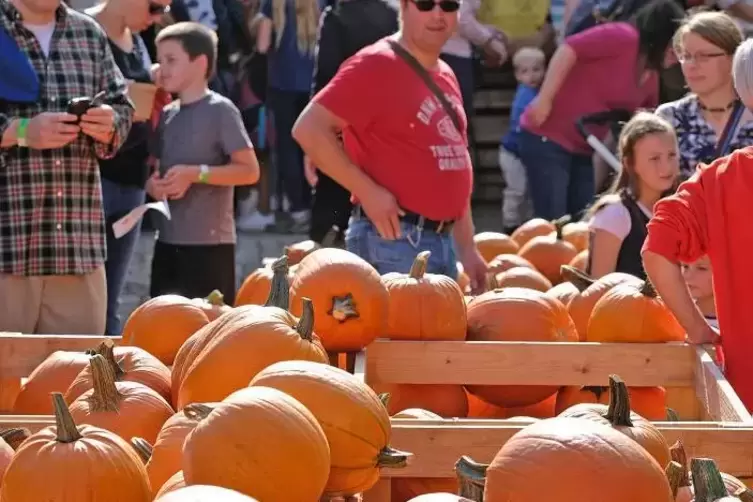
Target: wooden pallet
<point>714,422</point>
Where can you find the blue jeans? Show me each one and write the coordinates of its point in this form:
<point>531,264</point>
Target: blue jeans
<point>118,201</point>
<point>560,182</point>
<point>362,238</point>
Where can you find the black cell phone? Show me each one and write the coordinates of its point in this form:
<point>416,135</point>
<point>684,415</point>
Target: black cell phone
<point>79,106</point>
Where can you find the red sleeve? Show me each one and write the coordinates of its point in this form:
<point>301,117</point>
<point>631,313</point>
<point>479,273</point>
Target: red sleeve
<point>603,41</point>
<point>678,229</point>
<point>355,94</point>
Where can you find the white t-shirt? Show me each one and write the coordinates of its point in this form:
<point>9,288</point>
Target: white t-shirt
<point>43,34</point>
<point>615,218</point>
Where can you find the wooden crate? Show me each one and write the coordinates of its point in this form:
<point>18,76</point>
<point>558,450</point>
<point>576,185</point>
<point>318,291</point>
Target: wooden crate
<point>714,422</point>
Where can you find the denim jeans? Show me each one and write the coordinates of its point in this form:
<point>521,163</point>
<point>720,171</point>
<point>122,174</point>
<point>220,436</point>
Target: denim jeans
<point>362,238</point>
<point>560,182</point>
<point>118,201</point>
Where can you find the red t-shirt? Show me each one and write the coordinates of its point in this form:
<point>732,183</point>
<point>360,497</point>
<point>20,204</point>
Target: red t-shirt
<point>398,132</point>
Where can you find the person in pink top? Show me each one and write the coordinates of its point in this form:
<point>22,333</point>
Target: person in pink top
<point>612,66</point>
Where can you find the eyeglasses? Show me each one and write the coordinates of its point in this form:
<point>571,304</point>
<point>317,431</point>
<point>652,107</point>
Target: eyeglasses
<point>445,5</point>
<point>700,58</point>
<point>156,9</point>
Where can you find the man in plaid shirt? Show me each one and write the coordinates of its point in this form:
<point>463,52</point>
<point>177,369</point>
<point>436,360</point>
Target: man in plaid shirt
<point>52,229</point>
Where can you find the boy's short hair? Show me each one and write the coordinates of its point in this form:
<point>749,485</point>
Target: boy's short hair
<point>528,55</point>
<point>196,39</point>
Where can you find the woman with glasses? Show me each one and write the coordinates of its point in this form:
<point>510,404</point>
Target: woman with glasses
<point>124,176</point>
<point>705,44</point>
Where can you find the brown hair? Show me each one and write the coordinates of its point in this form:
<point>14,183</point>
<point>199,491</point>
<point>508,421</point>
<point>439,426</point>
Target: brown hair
<point>196,39</point>
<point>717,28</point>
<point>642,124</point>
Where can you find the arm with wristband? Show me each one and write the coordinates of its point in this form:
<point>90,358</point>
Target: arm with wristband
<point>41,132</point>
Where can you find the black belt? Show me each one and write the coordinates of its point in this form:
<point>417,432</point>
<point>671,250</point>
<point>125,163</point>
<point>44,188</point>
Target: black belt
<point>440,227</point>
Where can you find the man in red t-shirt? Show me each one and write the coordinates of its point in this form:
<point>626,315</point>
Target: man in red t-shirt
<point>404,161</point>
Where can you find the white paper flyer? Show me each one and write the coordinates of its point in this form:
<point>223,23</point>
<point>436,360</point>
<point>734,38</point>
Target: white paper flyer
<point>127,222</point>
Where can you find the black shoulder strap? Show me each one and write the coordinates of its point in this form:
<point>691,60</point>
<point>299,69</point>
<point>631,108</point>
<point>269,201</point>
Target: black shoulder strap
<point>722,148</point>
<point>433,87</point>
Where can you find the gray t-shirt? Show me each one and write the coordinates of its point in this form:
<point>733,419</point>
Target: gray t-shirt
<point>207,131</point>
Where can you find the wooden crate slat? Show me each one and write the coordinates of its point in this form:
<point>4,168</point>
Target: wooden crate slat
<point>715,392</point>
<point>529,363</point>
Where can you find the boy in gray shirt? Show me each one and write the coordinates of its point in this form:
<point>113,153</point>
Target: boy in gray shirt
<point>203,151</point>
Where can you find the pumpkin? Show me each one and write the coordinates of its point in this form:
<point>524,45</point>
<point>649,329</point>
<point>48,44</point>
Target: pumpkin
<point>175,483</point>
<point>160,325</point>
<point>446,400</point>
<point>580,262</point>
<point>213,305</point>
<point>6,456</point>
<point>505,262</point>
<point>564,452</point>
<point>581,307</point>
<point>549,252</point>
<point>709,484</point>
<point>648,402</point>
<point>54,374</point>
<point>577,233</point>
<point>679,473</point>
<point>491,244</point>
<point>522,277</point>
<point>417,414</point>
<point>204,493</point>
<point>75,463</point>
<point>439,497</point>
<point>564,292</point>
<point>353,418</point>
<point>619,416</point>
<point>167,453</point>
<point>178,369</point>
<point>348,294</point>
<point>532,228</point>
<point>648,318</point>
<point>15,436</point>
<point>130,364</point>
<point>478,408</point>
<point>517,314</point>
<point>250,339</point>
<point>264,436</point>
<point>126,408</point>
<point>255,287</point>
<point>298,251</point>
<point>424,306</point>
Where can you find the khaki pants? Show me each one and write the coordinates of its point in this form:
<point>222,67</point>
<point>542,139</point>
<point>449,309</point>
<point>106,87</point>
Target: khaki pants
<point>54,305</point>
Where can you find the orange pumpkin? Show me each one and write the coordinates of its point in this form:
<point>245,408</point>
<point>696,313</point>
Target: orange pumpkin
<point>54,374</point>
<point>517,314</point>
<point>6,456</point>
<point>649,318</point>
<point>505,262</point>
<point>204,493</point>
<point>491,244</point>
<point>619,416</point>
<point>447,401</point>
<point>564,292</point>
<point>532,228</point>
<point>549,252</point>
<point>678,473</point>
<point>348,294</point>
<point>522,277</point>
<point>175,483</point>
<point>161,325</point>
<point>424,306</point>
<point>264,435</point>
<point>300,250</point>
<point>707,483</point>
<point>76,462</point>
<point>255,287</point>
<point>130,364</point>
<point>439,497</point>
<point>128,409</point>
<point>580,262</point>
<point>562,452</point>
<point>417,414</point>
<point>478,408</point>
<point>353,418</point>
<point>213,305</point>
<point>648,402</point>
<point>577,233</point>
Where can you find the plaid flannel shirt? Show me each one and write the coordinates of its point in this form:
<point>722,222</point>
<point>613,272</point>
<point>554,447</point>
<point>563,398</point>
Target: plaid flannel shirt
<point>51,216</point>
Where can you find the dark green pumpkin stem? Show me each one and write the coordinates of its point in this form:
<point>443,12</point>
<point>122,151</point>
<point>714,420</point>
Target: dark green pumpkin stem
<point>618,412</point>
<point>672,415</point>
<point>577,278</point>
<point>647,289</point>
<point>384,397</point>
<point>708,484</point>
<point>67,432</point>
<point>559,224</point>
<point>418,269</point>
<point>391,458</point>
<point>471,478</point>
<point>491,281</point>
<point>677,453</point>
<point>279,291</point>
<point>105,395</point>
<point>675,473</point>
<point>143,448</point>
<point>215,298</point>
<point>305,326</point>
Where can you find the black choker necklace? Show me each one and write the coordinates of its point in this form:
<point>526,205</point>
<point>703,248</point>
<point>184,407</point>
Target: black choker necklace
<point>730,106</point>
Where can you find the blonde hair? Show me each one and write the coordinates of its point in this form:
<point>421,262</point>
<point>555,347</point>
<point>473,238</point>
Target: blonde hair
<point>529,55</point>
<point>306,22</point>
<point>717,28</point>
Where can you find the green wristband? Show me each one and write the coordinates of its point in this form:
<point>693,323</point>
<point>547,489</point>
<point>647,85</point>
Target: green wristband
<point>23,124</point>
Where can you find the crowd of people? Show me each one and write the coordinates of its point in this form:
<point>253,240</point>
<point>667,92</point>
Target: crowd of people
<point>353,123</point>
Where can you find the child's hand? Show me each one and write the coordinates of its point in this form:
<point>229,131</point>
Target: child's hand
<point>155,186</point>
<point>178,179</point>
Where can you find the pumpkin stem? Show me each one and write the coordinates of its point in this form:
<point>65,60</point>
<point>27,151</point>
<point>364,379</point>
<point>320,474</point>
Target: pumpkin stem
<point>677,453</point>
<point>197,411</point>
<point>675,472</point>
<point>672,415</point>
<point>15,436</point>
<point>577,278</point>
<point>648,289</point>
<point>744,494</point>
<point>559,224</point>
<point>215,298</point>
<point>491,281</point>
<point>343,308</point>
<point>143,448</point>
<point>708,484</point>
<point>596,390</point>
<point>418,269</point>
<point>471,478</point>
<point>305,326</point>
<point>618,412</point>
<point>391,458</point>
<point>106,349</point>
<point>67,432</point>
<point>105,396</point>
<point>384,397</point>
<point>279,291</point>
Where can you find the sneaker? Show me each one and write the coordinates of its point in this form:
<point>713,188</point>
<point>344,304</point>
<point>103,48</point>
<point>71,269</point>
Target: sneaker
<point>255,222</point>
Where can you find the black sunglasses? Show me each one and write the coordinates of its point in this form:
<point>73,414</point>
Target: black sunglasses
<point>156,9</point>
<point>445,5</point>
